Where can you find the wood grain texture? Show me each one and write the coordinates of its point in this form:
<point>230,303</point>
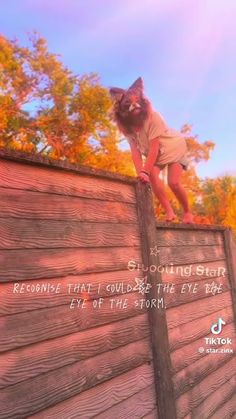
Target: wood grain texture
<point>97,399</point>
<point>157,318</point>
<point>193,374</point>
<point>192,227</point>
<point>191,254</point>
<point>68,381</point>
<point>198,272</point>
<point>173,237</point>
<point>186,313</point>
<point>191,331</point>
<point>227,411</point>
<point>214,402</point>
<point>33,205</point>
<point>39,358</point>
<point>38,160</point>
<point>188,354</point>
<point>39,325</point>
<point>18,265</point>
<point>28,234</point>
<point>15,297</point>
<point>151,415</point>
<point>199,291</point>
<point>230,250</point>
<point>188,401</point>
<point>39,179</point>
<point>135,406</point>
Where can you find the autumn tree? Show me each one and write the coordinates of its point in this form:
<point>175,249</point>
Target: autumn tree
<point>45,108</point>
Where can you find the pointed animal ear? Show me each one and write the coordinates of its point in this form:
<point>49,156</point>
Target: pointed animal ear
<point>116,93</point>
<point>137,85</point>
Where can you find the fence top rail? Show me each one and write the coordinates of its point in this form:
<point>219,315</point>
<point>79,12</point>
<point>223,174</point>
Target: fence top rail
<point>183,226</point>
<point>34,159</point>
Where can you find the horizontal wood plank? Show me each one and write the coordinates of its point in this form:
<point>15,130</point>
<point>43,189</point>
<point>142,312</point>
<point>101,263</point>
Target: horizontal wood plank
<point>186,313</point>
<point>27,234</point>
<point>135,406</point>
<point>33,205</point>
<point>195,291</point>
<point>194,272</point>
<point>191,254</point>
<point>228,410</point>
<point>101,397</point>
<point>68,381</point>
<point>188,401</point>
<point>173,237</point>
<point>191,331</point>
<point>215,401</point>
<point>195,373</point>
<point>37,160</point>
<point>18,297</point>
<point>18,265</point>
<point>35,326</point>
<point>39,179</point>
<point>151,415</point>
<point>30,361</point>
<point>188,354</point>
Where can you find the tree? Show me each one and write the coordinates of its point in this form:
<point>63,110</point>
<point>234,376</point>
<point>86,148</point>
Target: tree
<point>218,200</point>
<point>46,109</point>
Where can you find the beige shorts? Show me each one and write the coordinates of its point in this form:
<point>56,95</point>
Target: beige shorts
<point>184,161</point>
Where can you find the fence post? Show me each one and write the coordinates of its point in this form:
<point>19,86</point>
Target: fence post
<point>157,316</point>
<point>230,252</point>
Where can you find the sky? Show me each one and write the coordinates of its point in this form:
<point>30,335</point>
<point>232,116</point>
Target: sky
<point>185,51</point>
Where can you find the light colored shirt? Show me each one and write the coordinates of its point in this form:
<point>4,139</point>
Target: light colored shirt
<point>172,143</point>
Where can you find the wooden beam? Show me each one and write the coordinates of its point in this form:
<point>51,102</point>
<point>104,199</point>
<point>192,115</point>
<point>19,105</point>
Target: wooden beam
<point>39,160</point>
<point>230,251</point>
<point>157,317</point>
<point>183,226</point>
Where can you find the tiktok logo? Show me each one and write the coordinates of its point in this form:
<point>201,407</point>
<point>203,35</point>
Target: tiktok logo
<point>216,328</point>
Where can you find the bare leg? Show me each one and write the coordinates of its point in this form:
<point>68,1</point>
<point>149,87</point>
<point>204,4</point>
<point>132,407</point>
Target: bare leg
<point>174,173</point>
<point>159,190</point>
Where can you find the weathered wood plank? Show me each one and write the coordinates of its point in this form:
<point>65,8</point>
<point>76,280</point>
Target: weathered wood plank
<point>190,255</point>
<point>135,406</point>
<point>30,361</point>
<point>35,178</point>
<point>228,410</point>
<point>18,265</point>
<point>191,331</point>
<point>188,354</point>
<point>38,160</point>
<point>33,205</point>
<point>188,401</point>
<point>173,237</point>
<point>195,373</point>
<point>158,324</point>
<point>23,296</point>
<point>38,325</point>
<point>24,233</point>
<point>151,415</point>
<point>199,290</point>
<point>192,227</point>
<point>212,403</point>
<point>101,397</point>
<point>194,272</point>
<point>230,250</point>
<point>186,313</point>
<point>70,380</point>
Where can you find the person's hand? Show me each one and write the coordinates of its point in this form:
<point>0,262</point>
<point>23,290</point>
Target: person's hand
<point>144,177</point>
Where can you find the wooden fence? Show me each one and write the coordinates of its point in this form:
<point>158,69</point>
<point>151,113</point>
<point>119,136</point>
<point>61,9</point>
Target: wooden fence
<point>88,325</point>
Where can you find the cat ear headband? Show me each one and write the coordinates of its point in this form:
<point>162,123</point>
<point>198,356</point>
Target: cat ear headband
<point>117,93</point>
